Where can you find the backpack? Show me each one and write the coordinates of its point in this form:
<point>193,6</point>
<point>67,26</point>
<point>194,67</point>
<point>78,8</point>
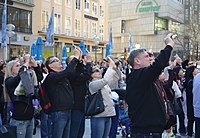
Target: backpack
<point>44,99</point>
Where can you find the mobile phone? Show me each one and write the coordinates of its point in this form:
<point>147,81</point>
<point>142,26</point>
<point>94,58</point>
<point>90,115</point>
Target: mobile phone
<point>174,36</point>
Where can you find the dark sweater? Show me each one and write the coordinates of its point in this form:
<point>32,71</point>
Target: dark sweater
<point>79,80</point>
<point>146,111</point>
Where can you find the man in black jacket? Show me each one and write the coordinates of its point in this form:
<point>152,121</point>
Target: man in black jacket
<point>60,94</point>
<point>79,81</point>
<point>146,111</point>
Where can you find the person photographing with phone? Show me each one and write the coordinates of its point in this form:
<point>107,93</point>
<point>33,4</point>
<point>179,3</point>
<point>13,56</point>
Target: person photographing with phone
<point>146,111</point>
<point>60,93</point>
<point>101,123</point>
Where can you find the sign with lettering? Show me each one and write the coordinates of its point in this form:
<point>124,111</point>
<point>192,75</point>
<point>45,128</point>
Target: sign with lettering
<point>147,6</point>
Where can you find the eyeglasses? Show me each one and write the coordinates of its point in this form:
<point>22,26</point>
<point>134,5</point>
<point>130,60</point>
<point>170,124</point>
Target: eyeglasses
<point>55,60</point>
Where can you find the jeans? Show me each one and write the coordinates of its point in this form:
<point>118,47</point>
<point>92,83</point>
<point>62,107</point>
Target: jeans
<point>127,123</point>
<point>0,121</point>
<point>149,135</point>
<point>100,127</point>
<point>77,124</point>
<point>46,125</point>
<point>181,117</point>
<point>24,127</point>
<point>8,108</point>
<point>197,127</point>
<point>114,123</point>
<point>61,124</point>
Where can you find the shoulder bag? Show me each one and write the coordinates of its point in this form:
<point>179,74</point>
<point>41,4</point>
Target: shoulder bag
<point>94,103</point>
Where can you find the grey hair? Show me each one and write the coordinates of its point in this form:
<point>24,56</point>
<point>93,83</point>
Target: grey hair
<point>135,53</point>
<point>9,67</point>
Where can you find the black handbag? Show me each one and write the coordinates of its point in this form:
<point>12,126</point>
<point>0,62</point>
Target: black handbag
<point>94,103</point>
<point>8,132</point>
<point>177,108</point>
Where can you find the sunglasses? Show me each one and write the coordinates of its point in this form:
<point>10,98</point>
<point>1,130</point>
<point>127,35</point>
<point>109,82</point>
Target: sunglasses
<point>55,60</point>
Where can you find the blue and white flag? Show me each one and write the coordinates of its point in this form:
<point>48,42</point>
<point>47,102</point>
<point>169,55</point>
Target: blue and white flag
<point>3,41</point>
<point>110,39</point>
<point>50,31</point>
<point>130,42</point>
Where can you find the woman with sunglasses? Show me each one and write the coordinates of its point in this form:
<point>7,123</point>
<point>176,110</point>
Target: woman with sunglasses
<point>101,123</point>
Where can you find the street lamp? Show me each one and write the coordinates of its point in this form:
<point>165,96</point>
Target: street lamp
<point>96,43</point>
<point>10,33</point>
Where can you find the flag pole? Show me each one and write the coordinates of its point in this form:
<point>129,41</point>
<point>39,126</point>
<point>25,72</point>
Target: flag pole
<point>4,22</point>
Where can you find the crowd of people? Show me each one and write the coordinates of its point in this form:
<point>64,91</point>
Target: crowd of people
<point>145,94</point>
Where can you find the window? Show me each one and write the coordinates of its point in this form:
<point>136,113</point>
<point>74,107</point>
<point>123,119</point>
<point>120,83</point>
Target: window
<point>78,4</point>
<point>45,18</point>
<point>101,32</point>
<point>94,8</point>
<point>68,2</point>
<point>87,5</point>
<point>58,1</point>
<point>94,29</point>
<point>161,24</point>
<point>86,29</point>
<point>123,26</point>
<point>22,19</point>
<point>176,27</point>
<point>77,27</point>
<point>68,26</point>
<point>101,11</point>
<point>57,23</point>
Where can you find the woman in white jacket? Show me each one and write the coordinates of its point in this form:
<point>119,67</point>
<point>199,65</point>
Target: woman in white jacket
<point>101,123</point>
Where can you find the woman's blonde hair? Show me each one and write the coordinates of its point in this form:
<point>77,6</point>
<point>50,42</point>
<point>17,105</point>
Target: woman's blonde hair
<point>9,67</point>
<point>8,73</point>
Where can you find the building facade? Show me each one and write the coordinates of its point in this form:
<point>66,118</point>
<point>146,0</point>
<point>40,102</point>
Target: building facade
<point>74,20</point>
<point>19,13</point>
<point>148,21</point>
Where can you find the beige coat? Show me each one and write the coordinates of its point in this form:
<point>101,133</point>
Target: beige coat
<point>109,77</point>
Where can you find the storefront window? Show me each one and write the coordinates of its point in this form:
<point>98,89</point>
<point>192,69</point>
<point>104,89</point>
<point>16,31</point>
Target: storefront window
<point>161,24</point>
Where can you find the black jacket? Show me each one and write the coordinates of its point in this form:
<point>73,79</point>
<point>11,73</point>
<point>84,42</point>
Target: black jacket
<point>1,92</point>
<point>79,82</point>
<point>59,88</point>
<point>146,111</point>
<point>22,105</point>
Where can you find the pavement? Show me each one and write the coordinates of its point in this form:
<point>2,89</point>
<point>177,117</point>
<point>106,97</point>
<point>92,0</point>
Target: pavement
<point>88,132</point>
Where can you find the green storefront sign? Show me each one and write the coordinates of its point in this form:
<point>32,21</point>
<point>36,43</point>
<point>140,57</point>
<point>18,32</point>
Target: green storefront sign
<point>147,6</point>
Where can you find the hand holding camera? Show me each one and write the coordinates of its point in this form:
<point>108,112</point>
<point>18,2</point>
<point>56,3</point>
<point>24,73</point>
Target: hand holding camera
<point>111,62</point>
<point>169,39</point>
<point>77,53</point>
